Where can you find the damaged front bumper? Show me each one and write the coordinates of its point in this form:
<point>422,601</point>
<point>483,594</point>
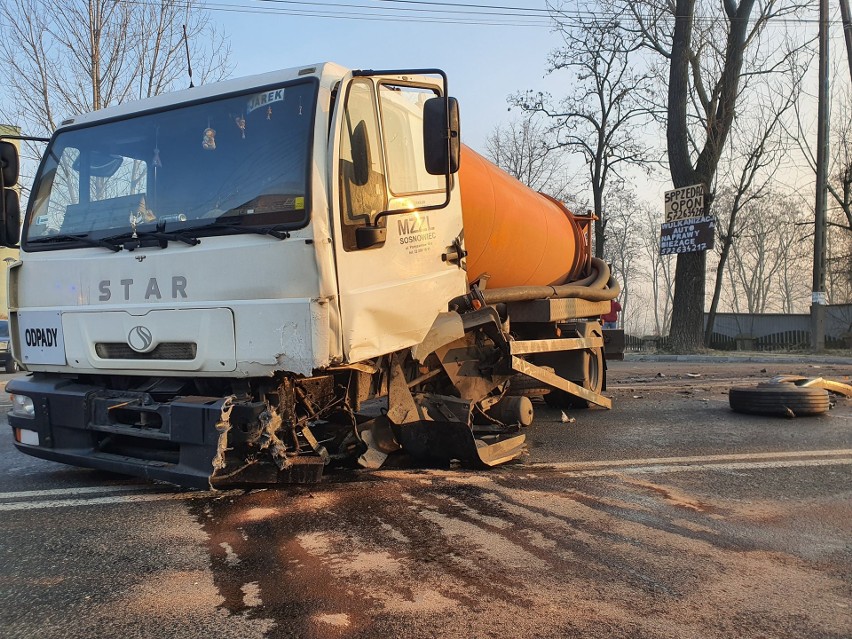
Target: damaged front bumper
<point>180,441</point>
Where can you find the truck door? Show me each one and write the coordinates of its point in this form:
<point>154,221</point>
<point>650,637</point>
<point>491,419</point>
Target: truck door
<point>391,291</point>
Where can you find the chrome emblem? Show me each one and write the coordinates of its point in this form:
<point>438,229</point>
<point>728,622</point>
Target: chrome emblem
<point>140,339</point>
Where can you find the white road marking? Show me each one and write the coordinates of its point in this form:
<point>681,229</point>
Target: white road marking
<point>34,499</point>
<point>698,459</point>
<point>77,490</point>
<point>692,468</point>
<point>116,499</point>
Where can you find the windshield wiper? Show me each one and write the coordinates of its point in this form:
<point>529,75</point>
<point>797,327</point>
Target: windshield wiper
<point>276,231</point>
<point>126,240</point>
<point>108,243</point>
<point>130,239</point>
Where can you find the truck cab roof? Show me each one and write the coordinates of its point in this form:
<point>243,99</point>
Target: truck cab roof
<point>329,70</point>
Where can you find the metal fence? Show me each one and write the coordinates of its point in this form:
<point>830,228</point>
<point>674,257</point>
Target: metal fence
<point>647,344</point>
<point>763,332</point>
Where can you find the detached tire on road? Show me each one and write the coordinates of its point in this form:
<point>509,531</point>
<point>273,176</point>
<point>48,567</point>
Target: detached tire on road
<point>779,399</point>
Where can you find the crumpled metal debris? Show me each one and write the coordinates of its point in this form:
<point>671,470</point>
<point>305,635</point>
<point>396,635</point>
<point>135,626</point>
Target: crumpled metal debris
<point>838,388</point>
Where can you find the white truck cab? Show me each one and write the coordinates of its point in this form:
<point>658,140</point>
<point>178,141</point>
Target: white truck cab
<point>213,282</point>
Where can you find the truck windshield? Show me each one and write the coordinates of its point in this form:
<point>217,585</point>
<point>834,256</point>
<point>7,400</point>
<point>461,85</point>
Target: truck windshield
<point>242,159</point>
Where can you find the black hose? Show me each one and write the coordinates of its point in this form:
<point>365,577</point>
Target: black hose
<point>600,286</point>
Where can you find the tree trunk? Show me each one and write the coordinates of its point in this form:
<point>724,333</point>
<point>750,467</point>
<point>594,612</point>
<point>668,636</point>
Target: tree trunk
<point>717,289</point>
<point>688,313</point>
<point>599,239</point>
<point>688,306</point>
<point>600,223</point>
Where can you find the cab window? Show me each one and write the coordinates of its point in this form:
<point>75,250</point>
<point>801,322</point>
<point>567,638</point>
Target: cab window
<point>401,110</point>
<point>382,164</point>
<point>363,193</point>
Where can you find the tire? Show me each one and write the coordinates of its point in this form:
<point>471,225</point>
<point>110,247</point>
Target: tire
<point>525,386</point>
<point>783,400</point>
<point>593,380</point>
<point>11,366</point>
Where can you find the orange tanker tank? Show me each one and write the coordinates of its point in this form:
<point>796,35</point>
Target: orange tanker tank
<point>515,235</point>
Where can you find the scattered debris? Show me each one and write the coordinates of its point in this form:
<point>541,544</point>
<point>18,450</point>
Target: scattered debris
<point>566,419</point>
<point>693,375</point>
<point>838,388</point>
<point>660,375</point>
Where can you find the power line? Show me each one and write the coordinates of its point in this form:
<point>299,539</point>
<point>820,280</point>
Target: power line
<point>372,14</point>
<point>461,4</point>
<point>492,15</point>
<point>541,18</point>
<point>459,8</point>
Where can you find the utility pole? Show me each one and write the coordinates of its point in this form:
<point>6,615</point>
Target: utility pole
<point>847,30</point>
<point>818,295</point>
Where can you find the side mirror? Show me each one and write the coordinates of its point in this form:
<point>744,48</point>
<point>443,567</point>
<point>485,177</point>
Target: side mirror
<point>362,161</point>
<point>10,218</point>
<point>9,164</point>
<point>370,236</point>
<point>10,206</point>
<point>441,135</point>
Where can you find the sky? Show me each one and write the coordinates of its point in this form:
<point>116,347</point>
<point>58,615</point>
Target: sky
<point>484,63</point>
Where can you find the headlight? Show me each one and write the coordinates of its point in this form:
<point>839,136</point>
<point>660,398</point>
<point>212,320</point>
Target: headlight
<point>22,406</point>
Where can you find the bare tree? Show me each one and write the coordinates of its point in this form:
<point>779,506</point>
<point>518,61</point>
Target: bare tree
<point>839,217</point>
<point>601,118</point>
<point>840,182</point>
<point>839,255</point>
<point>660,270</point>
<point>623,246</point>
<point>521,149</point>
<point>838,260</point>
<point>705,86</point>
<point>766,262</point>
<point>64,57</point>
<point>759,144</point>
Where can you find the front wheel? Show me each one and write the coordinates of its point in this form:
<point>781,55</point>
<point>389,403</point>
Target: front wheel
<point>11,366</point>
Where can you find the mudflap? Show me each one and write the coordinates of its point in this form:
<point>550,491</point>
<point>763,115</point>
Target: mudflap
<point>443,442</point>
<point>438,428</point>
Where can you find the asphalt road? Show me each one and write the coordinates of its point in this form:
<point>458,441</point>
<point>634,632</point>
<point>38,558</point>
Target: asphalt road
<point>669,516</point>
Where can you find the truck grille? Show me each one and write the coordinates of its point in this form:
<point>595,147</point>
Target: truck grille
<point>166,350</point>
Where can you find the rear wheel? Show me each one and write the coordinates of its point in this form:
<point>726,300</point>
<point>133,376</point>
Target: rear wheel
<point>11,366</point>
<point>594,374</point>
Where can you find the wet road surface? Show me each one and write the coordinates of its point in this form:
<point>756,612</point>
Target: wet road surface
<point>669,516</point>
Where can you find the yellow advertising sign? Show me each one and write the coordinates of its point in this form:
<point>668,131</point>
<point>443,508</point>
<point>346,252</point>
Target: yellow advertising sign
<point>684,203</point>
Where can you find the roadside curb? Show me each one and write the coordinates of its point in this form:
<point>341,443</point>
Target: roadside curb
<point>751,358</point>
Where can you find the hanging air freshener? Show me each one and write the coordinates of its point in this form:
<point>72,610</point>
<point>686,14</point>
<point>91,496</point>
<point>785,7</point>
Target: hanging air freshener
<point>157,163</point>
<point>241,125</point>
<point>143,213</point>
<point>268,113</point>
<point>209,141</point>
